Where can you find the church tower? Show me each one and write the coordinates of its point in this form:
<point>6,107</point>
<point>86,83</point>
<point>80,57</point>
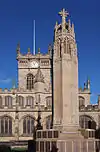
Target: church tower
<point>65,62</point>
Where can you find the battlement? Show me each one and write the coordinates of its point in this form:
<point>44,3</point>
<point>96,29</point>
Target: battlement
<point>84,91</point>
<point>8,91</point>
<point>12,90</point>
<point>29,55</point>
<point>31,61</point>
<point>21,90</point>
<point>89,108</point>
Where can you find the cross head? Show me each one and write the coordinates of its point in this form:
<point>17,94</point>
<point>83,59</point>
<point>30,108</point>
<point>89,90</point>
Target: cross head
<point>63,13</point>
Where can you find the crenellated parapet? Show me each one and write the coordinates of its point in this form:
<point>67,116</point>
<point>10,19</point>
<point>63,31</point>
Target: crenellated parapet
<point>8,91</point>
<point>29,55</point>
<point>89,108</point>
<point>26,60</point>
<point>14,91</point>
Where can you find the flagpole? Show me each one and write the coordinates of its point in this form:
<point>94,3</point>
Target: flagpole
<point>34,39</point>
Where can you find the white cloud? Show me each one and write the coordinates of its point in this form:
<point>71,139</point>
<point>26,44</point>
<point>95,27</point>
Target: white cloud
<point>8,80</point>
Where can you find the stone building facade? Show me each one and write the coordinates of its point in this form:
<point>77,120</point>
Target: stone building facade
<point>19,106</point>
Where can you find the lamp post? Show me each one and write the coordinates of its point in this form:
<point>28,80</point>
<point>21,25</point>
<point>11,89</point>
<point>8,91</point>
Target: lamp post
<point>38,126</point>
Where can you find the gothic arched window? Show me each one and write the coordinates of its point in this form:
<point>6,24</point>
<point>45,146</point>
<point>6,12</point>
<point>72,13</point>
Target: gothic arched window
<point>28,125</point>
<point>21,101</point>
<point>30,81</point>
<point>5,126</point>
<point>8,101</point>
<point>81,101</point>
<point>30,101</point>
<point>0,102</point>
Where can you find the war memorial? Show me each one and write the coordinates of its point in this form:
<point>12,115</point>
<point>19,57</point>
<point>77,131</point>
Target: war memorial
<point>65,133</point>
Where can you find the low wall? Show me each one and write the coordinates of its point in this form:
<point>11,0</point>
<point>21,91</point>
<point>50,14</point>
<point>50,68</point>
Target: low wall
<point>86,145</point>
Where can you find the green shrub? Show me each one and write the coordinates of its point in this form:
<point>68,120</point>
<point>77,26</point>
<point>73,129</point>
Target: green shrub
<point>19,150</point>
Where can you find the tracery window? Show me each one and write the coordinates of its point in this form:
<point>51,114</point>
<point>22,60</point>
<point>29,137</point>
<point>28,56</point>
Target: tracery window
<point>21,101</point>
<point>81,101</point>
<point>0,102</point>
<point>5,126</point>
<point>49,101</point>
<point>8,101</point>
<point>30,81</point>
<point>28,125</point>
<point>30,101</point>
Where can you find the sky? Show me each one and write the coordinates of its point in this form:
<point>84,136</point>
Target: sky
<point>16,18</point>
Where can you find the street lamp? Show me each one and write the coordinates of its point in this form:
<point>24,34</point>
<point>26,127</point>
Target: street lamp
<point>38,125</point>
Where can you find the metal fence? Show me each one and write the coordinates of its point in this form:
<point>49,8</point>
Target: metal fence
<point>85,145</point>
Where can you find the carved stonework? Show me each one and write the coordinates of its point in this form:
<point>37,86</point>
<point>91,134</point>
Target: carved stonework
<point>16,130</point>
<point>17,116</point>
<point>39,76</point>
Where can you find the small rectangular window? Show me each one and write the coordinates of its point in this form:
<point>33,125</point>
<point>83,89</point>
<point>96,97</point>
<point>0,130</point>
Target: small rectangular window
<point>49,134</point>
<point>55,134</point>
<point>44,134</point>
<point>39,134</point>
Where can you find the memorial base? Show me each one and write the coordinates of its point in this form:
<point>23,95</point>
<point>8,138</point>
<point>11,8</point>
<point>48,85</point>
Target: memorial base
<point>69,132</point>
